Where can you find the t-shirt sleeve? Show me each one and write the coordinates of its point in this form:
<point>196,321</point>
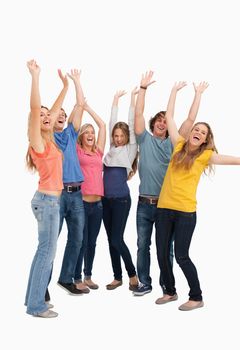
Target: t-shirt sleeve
<point>73,132</point>
<point>179,144</point>
<point>205,157</point>
<point>140,138</point>
<point>100,153</point>
<point>44,154</point>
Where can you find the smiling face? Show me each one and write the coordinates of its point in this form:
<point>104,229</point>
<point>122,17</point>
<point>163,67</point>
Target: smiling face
<point>46,120</point>
<point>60,121</point>
<point>88,138</point>
<point>198,135</point>
<point>160,128</point>
<point>119,137</point>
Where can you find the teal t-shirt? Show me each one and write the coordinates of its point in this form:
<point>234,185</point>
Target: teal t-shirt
<point>154,157</point>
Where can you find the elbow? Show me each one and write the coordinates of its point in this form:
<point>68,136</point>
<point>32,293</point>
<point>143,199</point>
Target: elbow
<point>103,126</point>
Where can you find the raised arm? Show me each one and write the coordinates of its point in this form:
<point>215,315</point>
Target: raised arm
<point>59,101</point>
<point>187,125</point>
<point>171,125</point>
<point>101,140</point>
<point>76,115</point>
<point>114,111</point>
<point>34,126</point>
<point>131,113</point>
<point>139,121</point>
<point>220,159</point>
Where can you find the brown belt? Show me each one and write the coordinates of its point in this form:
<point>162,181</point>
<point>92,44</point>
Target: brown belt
<point>148,200</point>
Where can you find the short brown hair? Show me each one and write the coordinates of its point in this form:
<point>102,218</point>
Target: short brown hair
<point>152,121</point>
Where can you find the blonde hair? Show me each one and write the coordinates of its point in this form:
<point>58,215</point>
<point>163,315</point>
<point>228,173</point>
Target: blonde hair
<point>82,131</point>
<point>185,159</point>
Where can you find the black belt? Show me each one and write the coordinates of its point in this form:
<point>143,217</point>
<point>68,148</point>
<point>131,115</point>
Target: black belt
<point>148,200</point>
<point>70,188</point>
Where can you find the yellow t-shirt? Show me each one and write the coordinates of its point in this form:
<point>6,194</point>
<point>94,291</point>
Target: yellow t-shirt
<point>180,185</point>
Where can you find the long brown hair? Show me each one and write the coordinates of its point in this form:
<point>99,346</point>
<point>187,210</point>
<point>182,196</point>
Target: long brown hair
<point>134,168</point>
<point>125,129</point>
<point>185,159</point>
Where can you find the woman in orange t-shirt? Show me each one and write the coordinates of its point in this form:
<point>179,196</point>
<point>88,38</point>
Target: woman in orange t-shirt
<point>44,157</point>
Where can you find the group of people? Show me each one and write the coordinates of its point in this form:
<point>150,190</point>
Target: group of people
<point>80,184</point>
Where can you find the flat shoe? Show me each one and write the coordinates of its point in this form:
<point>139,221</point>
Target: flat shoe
<point>185,307</point>
<point>161,301</point>
<point>84,290</point>
<point>113,286</point>
<point>91,285</point>
<point>133,287</point>
<point>47,314</point>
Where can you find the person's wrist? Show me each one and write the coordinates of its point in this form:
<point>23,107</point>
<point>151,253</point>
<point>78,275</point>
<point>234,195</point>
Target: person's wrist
<point>143,87</point>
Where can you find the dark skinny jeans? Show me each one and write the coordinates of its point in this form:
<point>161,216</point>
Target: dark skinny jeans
<point>182,224</point>
<point>115,214</point>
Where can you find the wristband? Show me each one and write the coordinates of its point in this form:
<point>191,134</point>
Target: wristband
<point>143,87</point>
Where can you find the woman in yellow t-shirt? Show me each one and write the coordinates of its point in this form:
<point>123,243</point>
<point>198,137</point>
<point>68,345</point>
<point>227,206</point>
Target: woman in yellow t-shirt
<point>177,202</point>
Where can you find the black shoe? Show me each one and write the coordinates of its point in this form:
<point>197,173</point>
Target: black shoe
<point>70,287</point>
<point>47,296</point>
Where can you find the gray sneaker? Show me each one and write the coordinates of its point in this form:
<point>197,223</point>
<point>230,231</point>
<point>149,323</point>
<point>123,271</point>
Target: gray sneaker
<point>47,314</point>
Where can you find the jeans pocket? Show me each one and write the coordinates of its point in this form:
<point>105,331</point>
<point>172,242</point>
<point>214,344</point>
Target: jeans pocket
<point>99,205</point>
<point>37,211</point>
<point>188,214</point>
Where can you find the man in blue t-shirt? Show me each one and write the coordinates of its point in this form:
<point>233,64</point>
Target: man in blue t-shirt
<point>71,203</point>
<point>155,151</point>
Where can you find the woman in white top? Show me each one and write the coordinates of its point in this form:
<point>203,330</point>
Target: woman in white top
<point>119,167</point>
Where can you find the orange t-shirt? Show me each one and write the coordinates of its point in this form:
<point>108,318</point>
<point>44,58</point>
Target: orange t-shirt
<point>49,167</point>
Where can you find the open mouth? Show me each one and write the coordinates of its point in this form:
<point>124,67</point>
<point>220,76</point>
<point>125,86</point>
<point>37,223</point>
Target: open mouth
<point>197,138</point>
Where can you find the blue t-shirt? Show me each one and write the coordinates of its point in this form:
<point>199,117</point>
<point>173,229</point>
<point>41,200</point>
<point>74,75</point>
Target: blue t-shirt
<point>66,141</point>
<point>115,182</point>
<point>154,157</point>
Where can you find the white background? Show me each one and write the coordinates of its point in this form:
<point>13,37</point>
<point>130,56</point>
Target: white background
<point>113,43</point>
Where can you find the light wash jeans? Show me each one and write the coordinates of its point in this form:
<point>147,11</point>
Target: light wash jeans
<point>46,210</point>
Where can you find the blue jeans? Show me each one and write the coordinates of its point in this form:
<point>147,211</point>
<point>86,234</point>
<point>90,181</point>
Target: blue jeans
<point>46,210</point>
<point>93,220</point>
<point>183,225</point>
<point>72,210</point>
<point>115,214</point>
<point>146,218</point>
